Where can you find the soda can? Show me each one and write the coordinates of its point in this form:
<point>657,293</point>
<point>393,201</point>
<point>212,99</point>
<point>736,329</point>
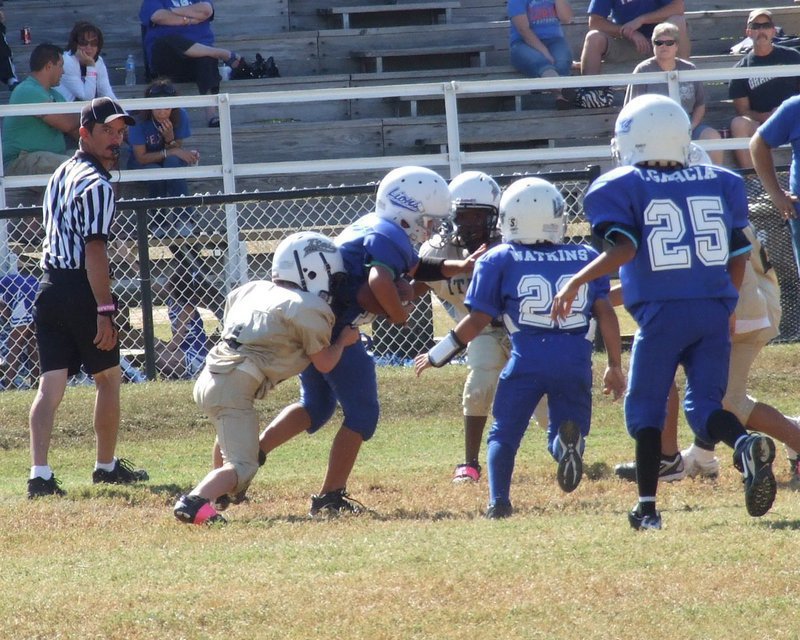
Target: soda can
<point>25,35</point>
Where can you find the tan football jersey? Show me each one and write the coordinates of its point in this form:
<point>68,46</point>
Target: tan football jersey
<point>276,329</point>
<point>451,292</point>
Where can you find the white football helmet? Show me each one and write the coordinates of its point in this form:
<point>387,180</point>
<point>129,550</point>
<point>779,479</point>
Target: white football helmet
<point>413,197</point>
<point>652,128</point>
<point>531,211</point>
<point>309,260</point>
<point>474,190</point>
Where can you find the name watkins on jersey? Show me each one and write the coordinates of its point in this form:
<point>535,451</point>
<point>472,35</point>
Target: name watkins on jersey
<point>557,255</point>
<point>689,174</point>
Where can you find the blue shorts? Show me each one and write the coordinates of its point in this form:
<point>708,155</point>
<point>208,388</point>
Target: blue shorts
<point>559,366</point>
<point>698,130</point>
<point>353,383</point>
<point>692,333</point>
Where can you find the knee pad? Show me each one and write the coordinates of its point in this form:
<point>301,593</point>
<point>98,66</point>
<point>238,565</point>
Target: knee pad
<point>479,391</point>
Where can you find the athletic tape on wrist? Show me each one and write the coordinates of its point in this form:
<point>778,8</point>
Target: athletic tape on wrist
<point>446,350</point>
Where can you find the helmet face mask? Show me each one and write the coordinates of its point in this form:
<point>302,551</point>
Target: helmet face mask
<point>473,226</point>
<point>652,128</point>
<point>311,262</point>
<point>414,198</point>
<point>476,198</point>
<point>532,210</point>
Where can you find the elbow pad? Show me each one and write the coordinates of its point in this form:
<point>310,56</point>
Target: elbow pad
<point>446,350</point>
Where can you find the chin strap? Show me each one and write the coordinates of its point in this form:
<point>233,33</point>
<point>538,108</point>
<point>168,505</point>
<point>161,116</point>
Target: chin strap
<point>446,350</point>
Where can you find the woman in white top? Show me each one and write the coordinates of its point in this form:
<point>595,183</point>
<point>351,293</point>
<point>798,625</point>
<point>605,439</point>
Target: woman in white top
<point>85,74</point>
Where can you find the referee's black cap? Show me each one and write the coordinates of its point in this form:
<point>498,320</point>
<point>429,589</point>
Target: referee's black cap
<point>104,110</point>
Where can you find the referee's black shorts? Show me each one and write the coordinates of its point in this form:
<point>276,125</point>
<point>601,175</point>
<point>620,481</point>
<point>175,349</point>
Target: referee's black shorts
<point>65,313</point>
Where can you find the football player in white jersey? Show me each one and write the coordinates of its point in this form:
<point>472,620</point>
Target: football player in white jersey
<point>476,197</point>
<point>271,332</point>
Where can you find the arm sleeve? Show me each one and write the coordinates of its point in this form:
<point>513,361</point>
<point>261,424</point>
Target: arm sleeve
<point>517,8</point>
<point>777,130</point>
<point>73,87</point>
<point>98,210</point>
<point>484,293</point>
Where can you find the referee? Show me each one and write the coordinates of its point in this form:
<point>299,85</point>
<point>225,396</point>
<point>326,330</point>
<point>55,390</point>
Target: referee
<point>74,308</point>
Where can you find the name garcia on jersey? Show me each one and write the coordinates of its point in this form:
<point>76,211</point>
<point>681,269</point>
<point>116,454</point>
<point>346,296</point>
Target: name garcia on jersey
<point>689,174</point>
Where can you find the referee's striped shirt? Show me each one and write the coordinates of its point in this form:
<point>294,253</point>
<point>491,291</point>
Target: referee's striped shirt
<point>78,206</point>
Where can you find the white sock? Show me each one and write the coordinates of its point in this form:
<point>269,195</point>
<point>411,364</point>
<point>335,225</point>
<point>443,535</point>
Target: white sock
<point>700,454</point>
<point>42,471</point>
<point>106,466</point>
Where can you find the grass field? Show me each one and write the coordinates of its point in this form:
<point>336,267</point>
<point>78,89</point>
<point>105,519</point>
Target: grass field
<point>113,563</point>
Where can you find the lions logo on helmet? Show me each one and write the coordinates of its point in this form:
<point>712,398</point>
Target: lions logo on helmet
<point>652,128</point>
<point>532,211</point>
<point>310,261</point>
<point>413,197</point>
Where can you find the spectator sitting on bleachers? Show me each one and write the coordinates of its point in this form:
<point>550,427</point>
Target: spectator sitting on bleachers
<point>179,44</point>
<point>666,38</point>
<point>537,44</point>
<point>756,98</point>
<point>35,144</point>
<point>617,26</point>
<point>85,74</point>
<point>7,72</point>
<point>157,141</point>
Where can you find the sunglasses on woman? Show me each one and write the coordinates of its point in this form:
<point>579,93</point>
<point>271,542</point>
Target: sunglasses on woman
<point>663,43</point>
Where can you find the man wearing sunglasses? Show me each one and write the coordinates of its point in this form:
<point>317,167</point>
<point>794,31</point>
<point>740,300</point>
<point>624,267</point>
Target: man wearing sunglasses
<point>755,98</point>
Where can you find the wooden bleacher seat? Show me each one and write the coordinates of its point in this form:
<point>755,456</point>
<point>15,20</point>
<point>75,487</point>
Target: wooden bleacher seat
<point>440,54</point>
<point>393,14</point>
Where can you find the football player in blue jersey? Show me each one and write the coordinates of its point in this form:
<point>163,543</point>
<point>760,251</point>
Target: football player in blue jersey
<point>517,280</point>
<point>675,233</point>
<point>377,249</point>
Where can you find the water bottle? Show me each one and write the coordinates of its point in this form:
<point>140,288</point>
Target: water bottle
<point>130,71</point>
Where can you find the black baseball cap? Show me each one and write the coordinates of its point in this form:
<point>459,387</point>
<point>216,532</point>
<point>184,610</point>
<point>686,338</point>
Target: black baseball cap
<point>104,110</point>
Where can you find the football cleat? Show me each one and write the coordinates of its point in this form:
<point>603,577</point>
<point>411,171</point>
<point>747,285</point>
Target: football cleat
<point>756,453</point>
<point>643,522</point>
<point>670,470</point>
<point>191,509</point>
<point>567,450</point>
<point>466,473</point>
<point>499,510</point>
<point>334,503</point>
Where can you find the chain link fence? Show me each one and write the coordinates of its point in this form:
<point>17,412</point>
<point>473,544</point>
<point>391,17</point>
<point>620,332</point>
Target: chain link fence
<point>174,260</point>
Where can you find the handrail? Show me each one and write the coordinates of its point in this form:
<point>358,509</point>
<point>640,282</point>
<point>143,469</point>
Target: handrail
<point>454,159</point>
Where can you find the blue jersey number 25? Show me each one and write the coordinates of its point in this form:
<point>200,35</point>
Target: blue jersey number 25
<point>666,240</point>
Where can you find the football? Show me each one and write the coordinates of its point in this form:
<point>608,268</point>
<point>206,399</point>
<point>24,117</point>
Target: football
<point>367,300</point>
